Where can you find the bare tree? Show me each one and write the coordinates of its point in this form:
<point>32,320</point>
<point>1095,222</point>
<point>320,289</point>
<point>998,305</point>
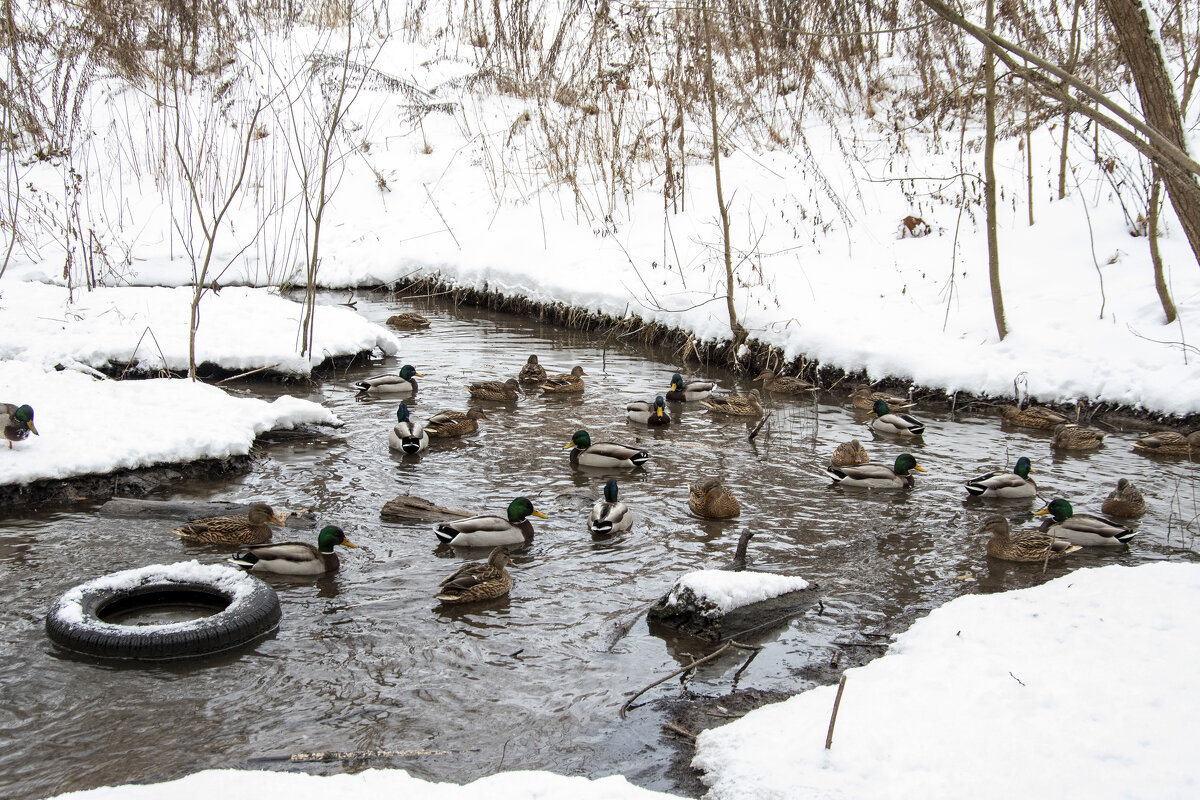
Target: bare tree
<point>989,179</point>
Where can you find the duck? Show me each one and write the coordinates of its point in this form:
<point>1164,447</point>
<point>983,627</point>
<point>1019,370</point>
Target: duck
<point>1013,485</point>
<point>649,413</point>
<point>407,435</point>
<point>1024,546</point>
<point>532,372</point>
<point>878,476</point>
<point>248,528</point>
<point>17,422</point>
<point>900,424</point>
<point>1075,437</point>
<point>447,424</point>
<point>474,582</point>
<point>506,392</point>
<point>489,530</point>
<point>785,384</point>
<point>690,392</point>
<point>865,399</point>
<point>1039,417</point>
<point>566,383</point>
<point>1085,530</point>
<point>411,321</point>
<point>296,558</point>
<point>402,383</point>
<point>850,454</point>
<point>1168,443</point>
<point>609,515</point>
<point>734,405</point>
<point>1124,501</point>
<point>710,497</point>
<point>587,453</point>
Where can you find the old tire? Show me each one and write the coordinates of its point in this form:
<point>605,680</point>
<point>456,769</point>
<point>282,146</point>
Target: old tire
<point>246,609</point>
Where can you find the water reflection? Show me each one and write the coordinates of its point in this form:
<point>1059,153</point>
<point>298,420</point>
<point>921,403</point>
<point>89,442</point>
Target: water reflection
<point>367,658</point>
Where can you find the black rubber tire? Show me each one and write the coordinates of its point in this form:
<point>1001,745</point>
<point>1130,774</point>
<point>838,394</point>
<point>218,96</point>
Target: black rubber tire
<point>251,611</point>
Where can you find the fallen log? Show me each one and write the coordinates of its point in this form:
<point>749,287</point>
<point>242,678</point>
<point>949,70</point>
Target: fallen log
<point>410,508</point>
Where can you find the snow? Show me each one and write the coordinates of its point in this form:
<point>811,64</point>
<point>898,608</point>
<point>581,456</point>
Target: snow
<point>1019,694</point>
<point>236,583</point>
<point>721,591</point>
<point>89,426</point>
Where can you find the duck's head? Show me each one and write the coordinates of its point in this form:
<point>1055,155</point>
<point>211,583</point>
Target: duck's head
<point>532,362</point>
<point>676,382</point>
<point>660,406</point>
<point>880,408</point>
<point>477,413</point>
<point>577,371</point>
<point>994,524</point>
<point>24,415</point>
<point>581,439</point>
<point>499,558</point>
<point>905,462</point>
<point>610,490</point>
<point>1023,467</point>
<point>402,413</point>
<point>408,371</point>
<point>330,537</point>
<point>766,375</point>
<point>1058,508</point>
<point>521,508</point>
<point>260,513</point>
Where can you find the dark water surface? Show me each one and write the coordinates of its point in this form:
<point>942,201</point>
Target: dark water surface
<point>368,660</point>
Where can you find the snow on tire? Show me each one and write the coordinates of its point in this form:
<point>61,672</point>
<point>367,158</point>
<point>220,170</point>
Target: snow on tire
<point>251,609</point>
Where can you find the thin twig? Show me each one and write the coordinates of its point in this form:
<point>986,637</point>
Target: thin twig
<point>837,701</point>
<point>245,374</point>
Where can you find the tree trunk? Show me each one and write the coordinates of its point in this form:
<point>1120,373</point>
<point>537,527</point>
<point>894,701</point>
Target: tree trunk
<point>1160,282</point>
<point>1141,48</point>
<point>989,177</point>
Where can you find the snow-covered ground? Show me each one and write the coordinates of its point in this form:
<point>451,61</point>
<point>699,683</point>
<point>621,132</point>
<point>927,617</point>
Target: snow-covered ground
<point>1078,687</point>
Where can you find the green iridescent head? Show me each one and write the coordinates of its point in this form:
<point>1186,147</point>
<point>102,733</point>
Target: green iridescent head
<point>330,537</point>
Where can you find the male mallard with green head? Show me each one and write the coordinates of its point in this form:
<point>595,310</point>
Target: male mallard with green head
<point>1086,530</point>
<point>878,476</point>
<point>475,582</point>
<point>900,424</point>
<point>1025,546</point>
<point>407,435</point>
<point>690,391</point>
<point>1013,485</point>
<point>17,422</point>
<point>609,515</point>
<point>489,530</point>
<point>649,413</point>
<point>296,558</point>
<point>249,528</point>
<point>587,453</point>
<point>402,383</point>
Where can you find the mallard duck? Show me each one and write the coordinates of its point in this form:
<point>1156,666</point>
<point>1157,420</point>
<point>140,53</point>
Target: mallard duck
<point>748,406</point>
<point>17,422</point>
<point>407,435</point>
<point>689,392</point>
<point>785,384</point>
<point>1124,501</point>
<point>506,392</point>
<point>408,322</point>
<point>710,497</point>
<point>587,453</point>
<point>471,583</point>
<point>1039,417</point>
<point>850,454</point>
<point>296,558</point>
<point>865,399</point>
<point>567,383</point>
<point>402,383</point>
<point>1075,437</point>
<point>649,413</point>
<point>447,424</point>
<point>609,515</point>
<point>489,530</point>
<point>248,528</point>
<point>1169,443</point>
<point>1011,485</point>
<point>900,424</point>
<point>1085,530</point>
<point>878,476</point>
<point>1027,546</point>
<point>532,372</point>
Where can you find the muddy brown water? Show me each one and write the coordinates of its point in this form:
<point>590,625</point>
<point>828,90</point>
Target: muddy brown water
<point>367,660</point>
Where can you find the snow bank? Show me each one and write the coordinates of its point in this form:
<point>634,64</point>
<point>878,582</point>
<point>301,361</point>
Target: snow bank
<point>1076,688</point>
<point>721,591</point>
